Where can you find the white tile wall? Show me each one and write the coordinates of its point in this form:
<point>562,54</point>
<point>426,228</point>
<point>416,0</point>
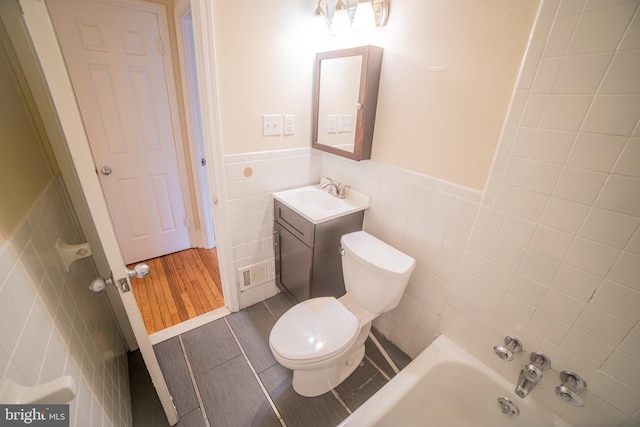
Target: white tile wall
<point>52,325</point>
<point>250,180</point>
<point>549,252</point>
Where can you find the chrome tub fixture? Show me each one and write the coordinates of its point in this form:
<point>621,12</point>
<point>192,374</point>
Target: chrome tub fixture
<point>571,387</point>
<point>511,346</point>
<point>531,374</point>
<point>507,406</point>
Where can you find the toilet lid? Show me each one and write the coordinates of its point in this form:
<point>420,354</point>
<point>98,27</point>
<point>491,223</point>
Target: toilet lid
<point>314,328</point>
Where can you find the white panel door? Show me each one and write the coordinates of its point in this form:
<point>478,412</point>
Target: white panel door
<point>114,56</point>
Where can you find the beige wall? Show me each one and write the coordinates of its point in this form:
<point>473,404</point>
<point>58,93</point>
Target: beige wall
<point>447,124</point>
<point>442,124</point>
<point>264,60</point>
<point>24,168</point>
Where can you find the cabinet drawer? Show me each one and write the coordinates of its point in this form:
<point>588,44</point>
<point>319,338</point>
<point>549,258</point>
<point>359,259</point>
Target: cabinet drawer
<point>299,226</point>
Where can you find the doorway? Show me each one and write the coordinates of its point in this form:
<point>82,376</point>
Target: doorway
<point>123,81</point>
<point>119,61</point>
<point>184,285</point>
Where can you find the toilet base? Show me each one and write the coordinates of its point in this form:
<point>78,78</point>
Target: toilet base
<point>318,381</point>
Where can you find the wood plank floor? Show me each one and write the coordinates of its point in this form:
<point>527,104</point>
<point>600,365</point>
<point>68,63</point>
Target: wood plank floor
<point>181,286</point>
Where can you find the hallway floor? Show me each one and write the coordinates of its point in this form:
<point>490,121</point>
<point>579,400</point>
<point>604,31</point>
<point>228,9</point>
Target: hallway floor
<point>181,286</point>
<point>223,374</point>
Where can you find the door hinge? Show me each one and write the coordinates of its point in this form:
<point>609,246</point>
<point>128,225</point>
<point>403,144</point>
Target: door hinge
<point>161,46</point>
<point>186,222</point>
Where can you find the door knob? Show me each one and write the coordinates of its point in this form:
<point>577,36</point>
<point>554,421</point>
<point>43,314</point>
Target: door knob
<point>140,271</point>
<point>106,170</point>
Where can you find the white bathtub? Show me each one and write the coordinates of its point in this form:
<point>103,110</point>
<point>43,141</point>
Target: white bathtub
<point>445,386</point>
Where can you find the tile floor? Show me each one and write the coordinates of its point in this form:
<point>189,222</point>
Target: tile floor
<point>213,372</point>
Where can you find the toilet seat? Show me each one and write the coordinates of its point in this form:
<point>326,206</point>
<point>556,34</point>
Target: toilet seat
<point>315,328</point>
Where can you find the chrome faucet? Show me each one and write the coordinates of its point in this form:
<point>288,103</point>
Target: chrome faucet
<point>531,374</point>
<point>338,189</point>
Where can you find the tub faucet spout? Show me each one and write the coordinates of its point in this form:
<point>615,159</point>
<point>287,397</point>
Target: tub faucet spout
<point>531,374</point>
<point>524,386</point>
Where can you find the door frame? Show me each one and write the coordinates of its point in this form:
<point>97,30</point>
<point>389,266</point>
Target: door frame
<point>202,14</point>
<point>203,27</point>
<point>73,150</point>
<point>188,74</point>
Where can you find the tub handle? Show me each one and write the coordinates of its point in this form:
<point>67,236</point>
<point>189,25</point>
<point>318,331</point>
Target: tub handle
<point>571,387</point>
<point>511,345</point>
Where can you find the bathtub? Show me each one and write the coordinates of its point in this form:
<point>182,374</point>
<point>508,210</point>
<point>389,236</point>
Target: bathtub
<point>445,386</point>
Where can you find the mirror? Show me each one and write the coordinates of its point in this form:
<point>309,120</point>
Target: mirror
<point>345,98</point>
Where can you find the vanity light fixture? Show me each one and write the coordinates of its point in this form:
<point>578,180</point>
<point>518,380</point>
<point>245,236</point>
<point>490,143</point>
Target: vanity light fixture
<point>365,18</point>
<point>321,18</point>
<point>341,19</point>
<point>354,14</point>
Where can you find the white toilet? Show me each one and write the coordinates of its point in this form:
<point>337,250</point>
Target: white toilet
<point>322,339</point>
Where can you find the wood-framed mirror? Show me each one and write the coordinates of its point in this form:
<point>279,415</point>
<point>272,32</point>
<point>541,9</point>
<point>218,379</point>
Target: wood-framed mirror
<point>345,97</point>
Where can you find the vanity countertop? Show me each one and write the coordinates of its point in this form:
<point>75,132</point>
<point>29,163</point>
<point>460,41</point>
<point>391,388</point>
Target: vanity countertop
<point>316,205</point>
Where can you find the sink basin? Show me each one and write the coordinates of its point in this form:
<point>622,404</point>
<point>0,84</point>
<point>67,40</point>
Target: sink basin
<point>316,205</point>
<point>318,200</point>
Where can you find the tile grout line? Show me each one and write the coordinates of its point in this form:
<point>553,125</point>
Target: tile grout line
<point>193,381</point>
<point>384,353</point>
<point>339,399</point>
<point>269,310</point>
<point>336,395</point>
<point>255,374</point>
<point>383,373</point>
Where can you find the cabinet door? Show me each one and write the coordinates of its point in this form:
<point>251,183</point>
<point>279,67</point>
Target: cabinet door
<point>293,261</point>
<point>295,223</point>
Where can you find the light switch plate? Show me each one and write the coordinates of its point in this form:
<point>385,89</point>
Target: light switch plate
<point>332,123</point>
<point>344,123</point>
<point>271,124</point>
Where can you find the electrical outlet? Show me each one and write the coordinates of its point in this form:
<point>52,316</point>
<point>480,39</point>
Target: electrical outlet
<point>271,124</point>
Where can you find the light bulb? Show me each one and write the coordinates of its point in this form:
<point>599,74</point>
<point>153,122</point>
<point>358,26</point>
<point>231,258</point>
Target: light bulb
<point>365,18</point>
<point>341,21</point>
<point>320,22</point>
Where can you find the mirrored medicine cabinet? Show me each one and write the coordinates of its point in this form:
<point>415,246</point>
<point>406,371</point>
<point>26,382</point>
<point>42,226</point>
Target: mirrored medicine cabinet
<point>345,97</point>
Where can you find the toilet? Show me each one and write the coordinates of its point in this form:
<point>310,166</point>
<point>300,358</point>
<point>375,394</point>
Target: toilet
<point>322,339</point>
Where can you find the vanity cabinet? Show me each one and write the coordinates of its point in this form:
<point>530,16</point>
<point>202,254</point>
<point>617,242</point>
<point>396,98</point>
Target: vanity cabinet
<point>307,255</point>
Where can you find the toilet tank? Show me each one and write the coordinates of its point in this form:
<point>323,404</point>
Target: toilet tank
<point>375,273</point>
